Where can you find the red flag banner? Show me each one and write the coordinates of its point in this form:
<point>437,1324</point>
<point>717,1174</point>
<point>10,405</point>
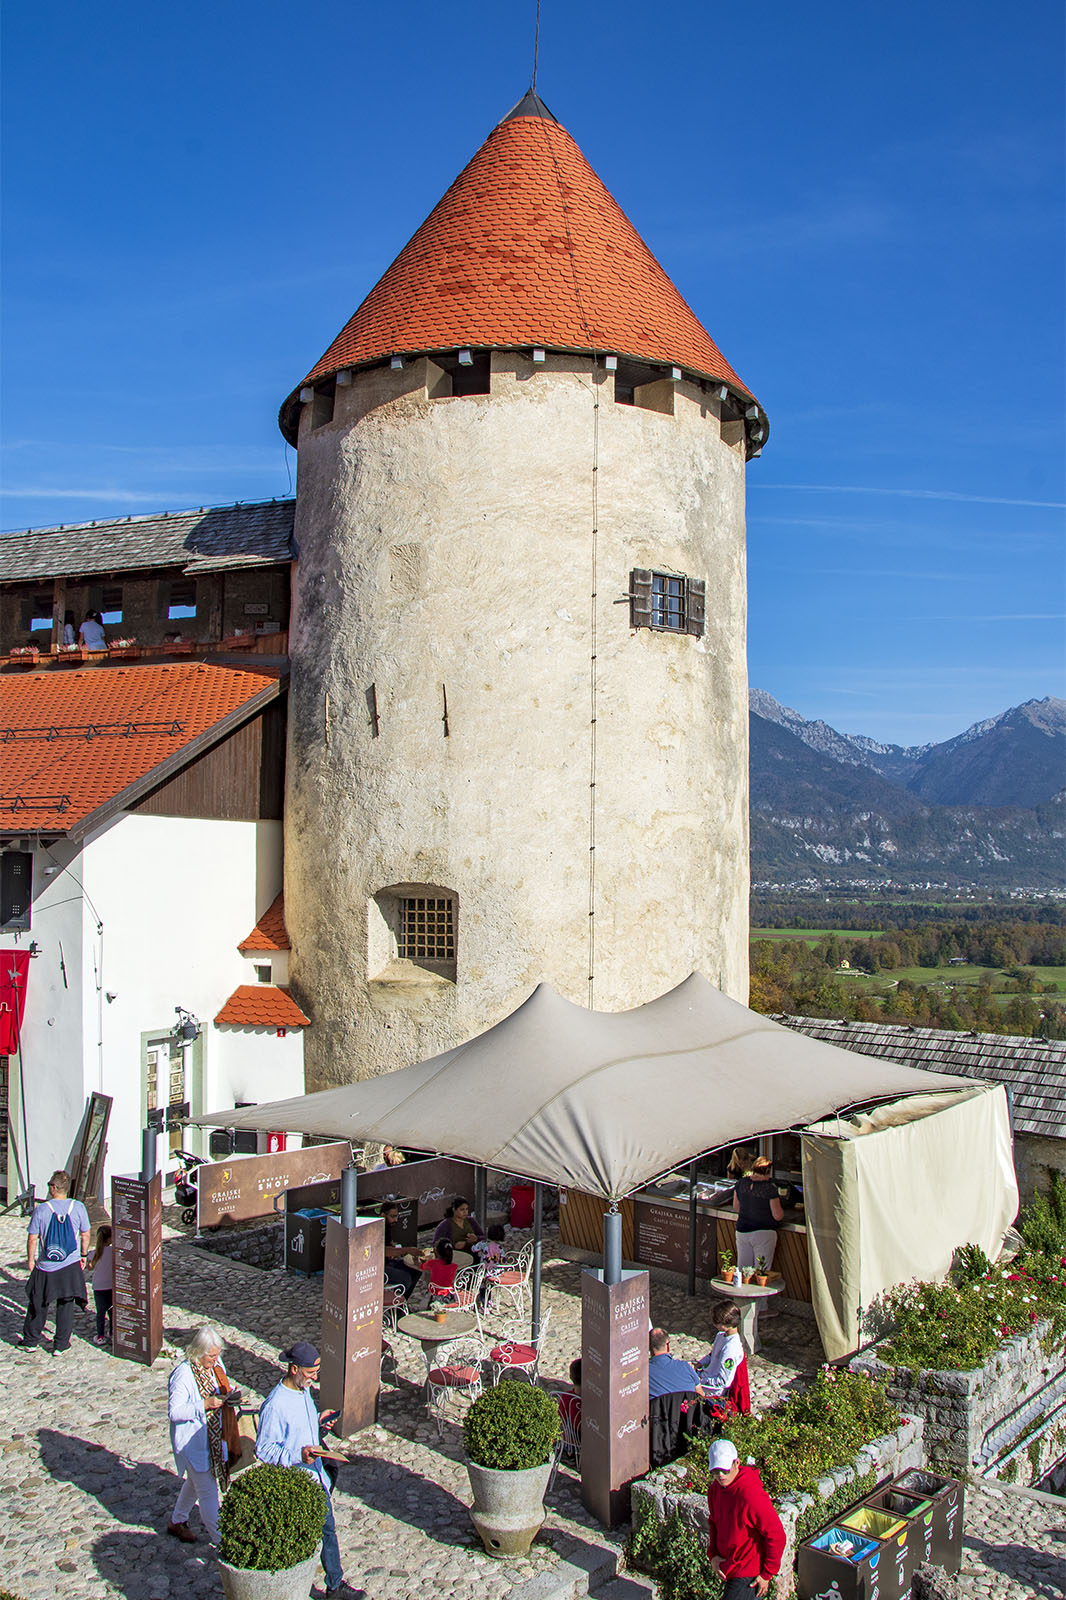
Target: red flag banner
<point>14,972</point>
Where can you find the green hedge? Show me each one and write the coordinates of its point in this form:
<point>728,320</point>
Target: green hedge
<point>511,1427</point>
<point>272,1518</point>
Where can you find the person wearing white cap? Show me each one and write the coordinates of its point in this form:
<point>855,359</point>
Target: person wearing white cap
<point>745,1539</point>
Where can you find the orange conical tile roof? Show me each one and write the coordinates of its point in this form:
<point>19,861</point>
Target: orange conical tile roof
<point>526,248</point>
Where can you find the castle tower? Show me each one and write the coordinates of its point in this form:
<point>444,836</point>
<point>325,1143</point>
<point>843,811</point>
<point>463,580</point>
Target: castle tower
<point>518,741</point>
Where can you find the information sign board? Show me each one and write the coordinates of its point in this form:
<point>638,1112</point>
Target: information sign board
<point>246,1186</point>
<point>614,1393</point>
<point>352,1289</point>
<point>661,1235</point>
<point>137,1237</point>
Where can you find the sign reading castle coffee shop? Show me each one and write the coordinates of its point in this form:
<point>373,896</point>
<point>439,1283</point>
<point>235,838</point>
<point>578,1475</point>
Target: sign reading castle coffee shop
<point>614,1392</point>
<point>235,1190</point>
<point>137,1238</point>
<point>352,1290</point>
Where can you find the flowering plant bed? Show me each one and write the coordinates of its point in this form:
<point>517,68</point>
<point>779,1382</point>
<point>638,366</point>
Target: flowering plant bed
<point>122,647</point>
<point>24,652</point>
<point>816,1453</point>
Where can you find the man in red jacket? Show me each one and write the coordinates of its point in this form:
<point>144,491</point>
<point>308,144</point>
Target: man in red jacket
<point>745,1533</point>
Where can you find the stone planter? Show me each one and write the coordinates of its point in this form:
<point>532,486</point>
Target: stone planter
<point>980,1419</point>
<point>292,1583</point>
<point>508,1507</point>
<point>663,1492</point>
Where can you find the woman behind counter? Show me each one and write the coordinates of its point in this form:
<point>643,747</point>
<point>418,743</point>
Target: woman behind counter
<point>759,1214</point>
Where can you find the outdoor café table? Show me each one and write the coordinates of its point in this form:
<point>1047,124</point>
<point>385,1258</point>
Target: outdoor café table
<point>462,1258</point>
<point>747,1297</point>
<point>429,1332</point>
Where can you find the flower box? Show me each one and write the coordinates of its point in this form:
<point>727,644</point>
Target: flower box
<point>70,655</point>
<point>24,655</point>
<point>123,647</point>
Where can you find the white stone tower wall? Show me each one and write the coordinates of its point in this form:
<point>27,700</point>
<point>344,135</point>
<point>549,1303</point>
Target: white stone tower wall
<point>446,548</point>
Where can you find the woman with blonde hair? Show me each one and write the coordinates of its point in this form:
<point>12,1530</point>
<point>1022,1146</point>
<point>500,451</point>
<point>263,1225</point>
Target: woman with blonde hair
<point>759,1214</point>
<point>203,1432</point>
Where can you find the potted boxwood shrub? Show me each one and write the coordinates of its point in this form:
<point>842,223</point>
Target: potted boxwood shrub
<point>510,1435</point>
<point>270,1530</point>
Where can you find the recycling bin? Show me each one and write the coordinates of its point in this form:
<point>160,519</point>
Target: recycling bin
<point>840,1564</point>
<point>305,1240</point>
<point>941,1524</point>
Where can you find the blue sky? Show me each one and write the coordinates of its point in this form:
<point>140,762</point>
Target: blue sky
<point>862,204</point>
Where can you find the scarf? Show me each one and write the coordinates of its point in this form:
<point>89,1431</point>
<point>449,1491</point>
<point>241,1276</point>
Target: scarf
<point>220,1422</point>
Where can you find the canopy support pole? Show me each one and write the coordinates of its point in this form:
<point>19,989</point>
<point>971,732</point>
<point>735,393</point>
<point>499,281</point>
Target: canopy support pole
<point>693,1173</point>
<point>481,1195</point>
<point>538,1251</point>
<point>612,1244</point>
<point>349,1195</point>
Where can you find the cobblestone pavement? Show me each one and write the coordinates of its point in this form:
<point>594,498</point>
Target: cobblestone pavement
<point>87,1482</point>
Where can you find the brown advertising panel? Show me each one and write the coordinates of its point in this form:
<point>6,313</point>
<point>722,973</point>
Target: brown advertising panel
<point>662,1234</point>
<point>614,1393</point>
<point>247,1186</point>
<point>352,1285</point>
<point>137,1223</point>
<point>433,1183</point>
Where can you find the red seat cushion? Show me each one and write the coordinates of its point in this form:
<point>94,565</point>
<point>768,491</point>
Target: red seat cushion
<point>463,1298</point>
<point>513,1355</point>
<point>506,1275</point>
<point>454,1377</point>
<point>393,1297</point>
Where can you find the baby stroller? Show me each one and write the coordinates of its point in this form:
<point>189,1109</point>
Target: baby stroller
<point>185,1184</point>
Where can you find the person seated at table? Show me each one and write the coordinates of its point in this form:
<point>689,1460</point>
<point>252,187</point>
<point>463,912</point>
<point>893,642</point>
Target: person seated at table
<point>667,1374</point>
<point>489,1250</point>
<point>458,1226</point>
<point>759,1215</point>
<point>723,1360</point>
<point>442,1271</point>
<point>397,1271</point>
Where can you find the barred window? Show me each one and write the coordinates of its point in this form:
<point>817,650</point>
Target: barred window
<point>667,600</point>
<point>427,930</point>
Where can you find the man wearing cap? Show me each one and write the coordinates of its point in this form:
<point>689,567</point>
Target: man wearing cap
<point>290,1434</point>
<point>745,1536</point>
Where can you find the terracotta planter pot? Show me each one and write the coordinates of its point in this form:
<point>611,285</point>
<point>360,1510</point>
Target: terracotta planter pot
<point>508,1507</point>
<point>761,1279</point>
<point>440,1316</point>
<point>292,1583</point>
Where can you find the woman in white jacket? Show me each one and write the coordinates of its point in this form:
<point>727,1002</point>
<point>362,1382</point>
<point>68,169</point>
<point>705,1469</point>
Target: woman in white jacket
<point>194,1406</point>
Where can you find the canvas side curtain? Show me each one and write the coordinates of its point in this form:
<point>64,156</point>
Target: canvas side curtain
<point>891,1194</point>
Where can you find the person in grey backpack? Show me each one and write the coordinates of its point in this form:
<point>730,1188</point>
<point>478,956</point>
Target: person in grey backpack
<point>56,1248</point>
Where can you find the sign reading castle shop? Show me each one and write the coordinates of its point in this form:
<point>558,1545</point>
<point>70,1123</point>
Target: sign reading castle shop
<point>233,1191</point>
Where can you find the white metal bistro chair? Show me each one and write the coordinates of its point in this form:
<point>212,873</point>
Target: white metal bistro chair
<point>569,1445</point>
<point>453,1373</point>
<point>508,1282</point>
<point>466,1291</point>
<point>393,1305</point>
<point>517,1355</point>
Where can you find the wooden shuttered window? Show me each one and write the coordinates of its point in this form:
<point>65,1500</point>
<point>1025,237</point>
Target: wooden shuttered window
<point>640,598</point>
<point>695,605</point>
<point>667,601</point>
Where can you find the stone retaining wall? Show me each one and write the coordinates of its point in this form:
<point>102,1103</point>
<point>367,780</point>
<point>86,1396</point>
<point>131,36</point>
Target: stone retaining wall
<point>973,1420</point>
<point>663,1492</point>
<point>256,1247</point>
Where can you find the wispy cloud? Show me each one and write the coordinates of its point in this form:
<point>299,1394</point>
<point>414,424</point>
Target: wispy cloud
<point>126,496</point>
<point>909,494</point>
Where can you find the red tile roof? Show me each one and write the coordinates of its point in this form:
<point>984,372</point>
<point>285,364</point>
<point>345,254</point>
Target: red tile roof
<point>72,741</point>
<point>269,932</point>
<point>526,248</point>
<point>261,1005</point>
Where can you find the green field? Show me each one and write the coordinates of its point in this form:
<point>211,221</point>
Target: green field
<point>949,977</point>
<point>814,935</point>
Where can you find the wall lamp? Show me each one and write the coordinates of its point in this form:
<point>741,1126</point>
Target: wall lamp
<point>465,358</point>
<point>187,1027</point>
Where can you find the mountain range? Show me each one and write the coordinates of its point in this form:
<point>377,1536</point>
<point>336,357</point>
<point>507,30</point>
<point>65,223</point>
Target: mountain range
<point>987,808</point>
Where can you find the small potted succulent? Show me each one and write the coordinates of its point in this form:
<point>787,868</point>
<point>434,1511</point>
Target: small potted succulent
<point>438,1309</point>
<point>510,1434</point>
<point>270,1530</point>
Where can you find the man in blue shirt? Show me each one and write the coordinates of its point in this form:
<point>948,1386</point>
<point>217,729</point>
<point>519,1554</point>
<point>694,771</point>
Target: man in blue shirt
<point>290,1436</point>
<point>666,1373</point>
<point>56,1272</point>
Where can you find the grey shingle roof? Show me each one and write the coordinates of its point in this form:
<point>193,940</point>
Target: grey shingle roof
<point>1035,1069</point>
<point>207,540</point>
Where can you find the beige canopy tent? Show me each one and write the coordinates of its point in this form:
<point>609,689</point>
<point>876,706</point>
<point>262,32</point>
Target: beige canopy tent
<point>890,1194</point>
<point>600,1101</point>
<point>607,1101</point>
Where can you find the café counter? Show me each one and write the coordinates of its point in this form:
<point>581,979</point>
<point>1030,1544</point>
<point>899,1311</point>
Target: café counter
<point>655,1233</point>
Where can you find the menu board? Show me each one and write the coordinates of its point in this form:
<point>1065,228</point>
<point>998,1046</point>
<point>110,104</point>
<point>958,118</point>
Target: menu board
<point>614,1393</point>
<point>137,1238</point>
<point>247,1186</point>
<point>661,1236</point>
<point>352,1290</point>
